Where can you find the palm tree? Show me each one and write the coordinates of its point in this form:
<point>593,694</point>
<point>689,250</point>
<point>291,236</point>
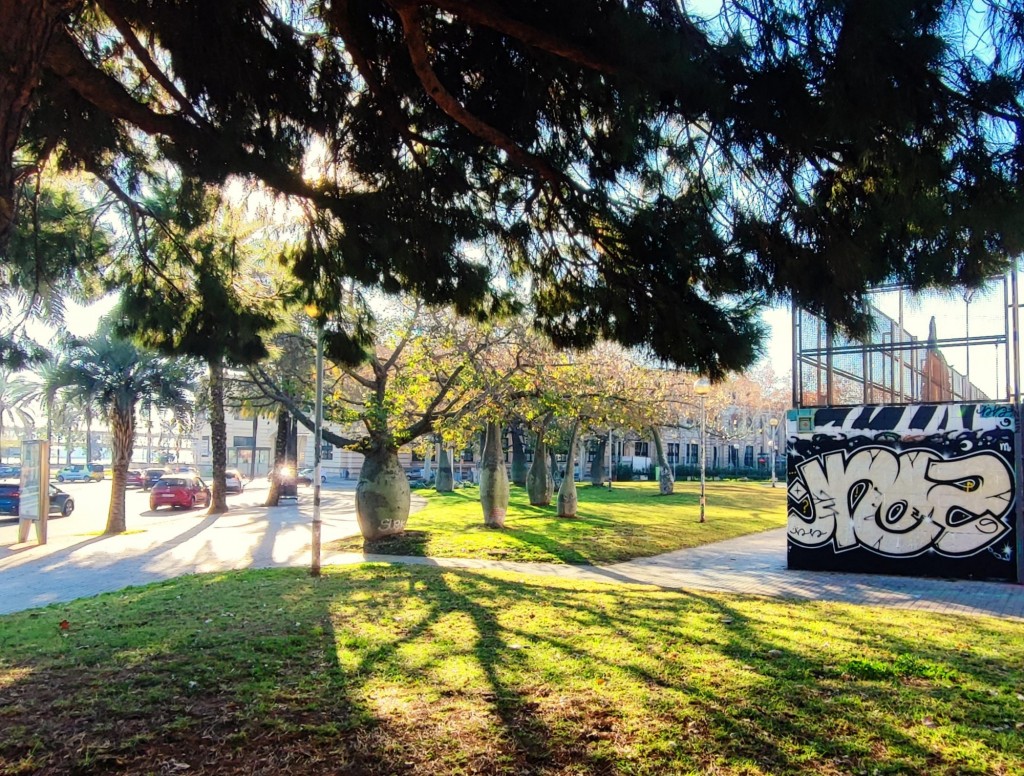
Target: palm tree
<point>15,393</point>
<point>123,377</point>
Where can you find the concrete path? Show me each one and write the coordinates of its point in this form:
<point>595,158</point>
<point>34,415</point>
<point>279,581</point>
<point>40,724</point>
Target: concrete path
<point>252,536</point>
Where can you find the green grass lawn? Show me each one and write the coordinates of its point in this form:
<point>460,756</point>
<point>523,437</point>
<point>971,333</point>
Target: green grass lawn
<point>630,521</point>
<point>417,670</point>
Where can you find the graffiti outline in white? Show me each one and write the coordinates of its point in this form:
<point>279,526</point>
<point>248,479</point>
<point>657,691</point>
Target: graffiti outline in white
<point>901,503</point>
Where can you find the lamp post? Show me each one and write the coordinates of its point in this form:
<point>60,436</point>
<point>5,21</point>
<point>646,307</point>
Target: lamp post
<point>774,423</point>
<point>318,433</point>
<point>702,387</point>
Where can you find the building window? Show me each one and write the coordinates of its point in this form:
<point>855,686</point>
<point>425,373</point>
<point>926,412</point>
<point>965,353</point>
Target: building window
<point>416,456</point>
<point>326,452</point>
<point>467,455</point>
<point>693,453</point>
<point>734,455</point>
<point>243,441</point>
<point>642,450</point>
<point>748,456</point>
<point>673,453</point>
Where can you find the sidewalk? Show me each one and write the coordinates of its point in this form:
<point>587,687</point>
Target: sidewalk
<point>252,536</point>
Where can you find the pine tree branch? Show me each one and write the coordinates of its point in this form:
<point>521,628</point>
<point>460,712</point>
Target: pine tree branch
<point>408,13</point>
<point>140,51</point>
<point>65,60</point>
<point>486,15</point>
<point>337,14</point>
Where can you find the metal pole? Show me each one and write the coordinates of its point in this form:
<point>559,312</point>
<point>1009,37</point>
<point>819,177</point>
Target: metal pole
<point>1015,344</point>
<point>317,450</point>
<point>703,419</point>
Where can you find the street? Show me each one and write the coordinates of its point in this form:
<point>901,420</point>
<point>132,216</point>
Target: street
<point>161,544</point>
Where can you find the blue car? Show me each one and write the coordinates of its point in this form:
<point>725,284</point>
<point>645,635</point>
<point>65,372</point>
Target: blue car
<point>61,503</point>
<point>75,473</point>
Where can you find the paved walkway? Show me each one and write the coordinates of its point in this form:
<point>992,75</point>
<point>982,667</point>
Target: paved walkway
<point>252,536</point>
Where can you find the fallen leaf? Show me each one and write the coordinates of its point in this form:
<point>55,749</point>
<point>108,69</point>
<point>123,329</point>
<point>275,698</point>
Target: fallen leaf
<point>65,625</point>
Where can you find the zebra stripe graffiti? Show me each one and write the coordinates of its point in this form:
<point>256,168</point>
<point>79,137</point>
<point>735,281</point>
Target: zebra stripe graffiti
<point>917,490</point>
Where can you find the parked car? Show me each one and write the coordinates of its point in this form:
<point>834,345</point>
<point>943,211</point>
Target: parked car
<point>305,477</point>
<point>8,471</point>
<point>150,477</point>
<point>233,481</point>
<point>98,471</point>
<point>61,503</point>
<point>77,472</point>
<point>183,491</point>
<point>134,478</point>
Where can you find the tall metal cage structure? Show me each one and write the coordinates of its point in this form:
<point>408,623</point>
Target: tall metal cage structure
<point>906,362</point>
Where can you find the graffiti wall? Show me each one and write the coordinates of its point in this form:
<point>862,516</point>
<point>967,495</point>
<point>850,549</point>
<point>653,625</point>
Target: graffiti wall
<point>925,490</point>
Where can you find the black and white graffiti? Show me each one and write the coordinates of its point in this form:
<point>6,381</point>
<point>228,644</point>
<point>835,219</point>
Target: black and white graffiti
<point>904,482</point>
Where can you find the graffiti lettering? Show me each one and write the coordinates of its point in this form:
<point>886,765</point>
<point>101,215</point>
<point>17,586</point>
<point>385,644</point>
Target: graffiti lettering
<point>901,503</point>
<point>995,411</point>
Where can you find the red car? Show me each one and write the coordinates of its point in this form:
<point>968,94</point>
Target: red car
<point>179,490</point>
<point>134,478</point>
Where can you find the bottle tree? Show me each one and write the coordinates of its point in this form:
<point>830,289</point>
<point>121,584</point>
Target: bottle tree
<point>420,377</point>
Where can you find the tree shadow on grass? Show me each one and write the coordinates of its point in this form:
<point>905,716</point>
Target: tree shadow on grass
<point>358,672</point>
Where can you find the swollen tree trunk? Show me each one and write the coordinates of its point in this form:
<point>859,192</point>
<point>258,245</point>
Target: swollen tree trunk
<point>539,485</point>
<point>597,473</point>
<point>553,465</point>
<point>218,439</point>
<point>122,432</point>
<point>428,461</point>
<point>445,477</point>
<point>568,501</point>
<point>382,494</point>
<point>494,489</point>
<point>666,482</point>
<point>280,454</point>
<point>519,467</point>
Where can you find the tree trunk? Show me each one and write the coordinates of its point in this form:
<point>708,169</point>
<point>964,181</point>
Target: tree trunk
<point>519,467</point>
<point>539,486</point>
<point>568,500</point>
<point>122,432</point>
<point>382,495</point>
<point>553,467</point>
<point>252,454</point>
<point>280,452</point>
<point>597,473</point>
<point>428,461</point>
<point>88,433</point>
<point>494,489</point>
<point>27,31</point>
<point>218,439</point>
<point>445,478</point>
<point>666,482</point>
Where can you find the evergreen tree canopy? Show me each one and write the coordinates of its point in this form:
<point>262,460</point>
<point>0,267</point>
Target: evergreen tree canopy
<point>648,174</point>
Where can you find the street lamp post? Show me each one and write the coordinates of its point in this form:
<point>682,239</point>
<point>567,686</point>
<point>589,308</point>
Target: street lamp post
<point>318,434</point>
<point>774,423</point>
<point>702,387</point>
